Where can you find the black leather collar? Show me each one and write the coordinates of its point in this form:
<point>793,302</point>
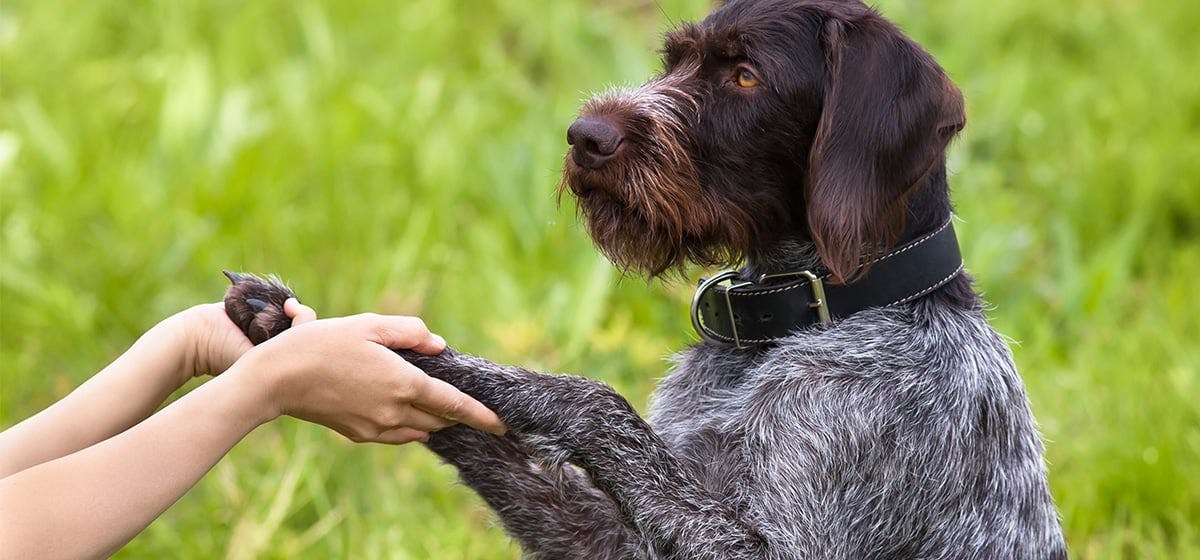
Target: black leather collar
<point>764,310</point>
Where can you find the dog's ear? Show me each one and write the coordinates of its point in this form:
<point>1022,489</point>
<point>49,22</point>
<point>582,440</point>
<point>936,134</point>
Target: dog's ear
<point>888,113</point>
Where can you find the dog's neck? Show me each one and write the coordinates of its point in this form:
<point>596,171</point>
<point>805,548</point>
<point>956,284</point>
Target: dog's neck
<point>927,209</point>
<point>791,253</point>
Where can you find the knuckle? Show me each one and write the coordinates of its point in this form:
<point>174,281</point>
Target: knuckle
<point>405,389</point>
<point>389,416</point>
<point>455,408</point>
<point>417,324</point>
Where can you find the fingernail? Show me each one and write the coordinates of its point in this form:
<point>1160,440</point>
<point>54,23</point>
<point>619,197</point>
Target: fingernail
<point>438,339</point>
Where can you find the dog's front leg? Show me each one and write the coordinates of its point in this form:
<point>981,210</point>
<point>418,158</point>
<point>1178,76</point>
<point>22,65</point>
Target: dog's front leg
<point>571,419</point>
<point>566,419</point>
<point>552,510</point>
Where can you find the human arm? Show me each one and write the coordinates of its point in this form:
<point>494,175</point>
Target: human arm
<point>198,340</point>
<point>89,503</point>
<point>337,372</point>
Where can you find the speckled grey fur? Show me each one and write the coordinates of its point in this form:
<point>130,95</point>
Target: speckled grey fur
<point>899,432</point>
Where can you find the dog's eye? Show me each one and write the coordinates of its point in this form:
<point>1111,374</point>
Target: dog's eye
<point>746,78</point>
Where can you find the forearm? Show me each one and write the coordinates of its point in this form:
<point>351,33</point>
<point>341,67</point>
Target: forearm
<point>121,395</point>
<point>93,501</point>
<point>552,510</point>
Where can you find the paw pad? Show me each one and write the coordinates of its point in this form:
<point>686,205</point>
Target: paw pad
<point>255,304</point>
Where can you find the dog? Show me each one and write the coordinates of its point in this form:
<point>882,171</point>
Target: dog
<point>805,139</point>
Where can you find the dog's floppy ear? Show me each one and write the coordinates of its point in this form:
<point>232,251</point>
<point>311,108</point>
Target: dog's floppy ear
<point>888,113</point>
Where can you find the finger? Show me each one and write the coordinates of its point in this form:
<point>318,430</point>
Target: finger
<point>401,436</point>
<point>394,331</point>
<point>432,345</point>
<point>420,420</point>
<point>215,313</point>
<point>442,399</point>
<point>299,312</point>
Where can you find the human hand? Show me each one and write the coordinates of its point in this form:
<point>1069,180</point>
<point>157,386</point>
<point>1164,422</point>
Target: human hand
<point>212,342</point>
<point>341,374</point>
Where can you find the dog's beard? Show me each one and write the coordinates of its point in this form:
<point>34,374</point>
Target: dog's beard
<point>649,223</point>
<point>633,238</point>
<point>647,209</point>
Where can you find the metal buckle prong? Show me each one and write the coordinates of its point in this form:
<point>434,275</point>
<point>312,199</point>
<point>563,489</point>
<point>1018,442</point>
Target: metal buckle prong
<point>818,291</point>
<point>706,285</point>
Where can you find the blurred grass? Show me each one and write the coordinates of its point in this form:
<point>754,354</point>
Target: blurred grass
<point>402,158</point>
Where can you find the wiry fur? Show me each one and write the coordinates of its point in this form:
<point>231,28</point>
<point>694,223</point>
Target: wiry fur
<point>256,306</point>
<point>898,432</point>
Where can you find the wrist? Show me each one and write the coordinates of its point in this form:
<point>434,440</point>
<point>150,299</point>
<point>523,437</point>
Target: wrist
<point>257,385</point>
<point>171,338</point>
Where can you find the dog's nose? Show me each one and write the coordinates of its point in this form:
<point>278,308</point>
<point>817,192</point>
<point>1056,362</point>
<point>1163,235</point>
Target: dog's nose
<point>595,141</point>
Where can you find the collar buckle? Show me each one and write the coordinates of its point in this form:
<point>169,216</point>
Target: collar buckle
<point>773,306</point>
<point>707,284</point>
<point>820,303</point>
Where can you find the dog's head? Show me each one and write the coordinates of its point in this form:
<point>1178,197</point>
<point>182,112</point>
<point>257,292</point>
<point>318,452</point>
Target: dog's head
<point>814,118</point>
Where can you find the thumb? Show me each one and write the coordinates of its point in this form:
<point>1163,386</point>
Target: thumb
<point>398,332</point>
<point>299,312</point>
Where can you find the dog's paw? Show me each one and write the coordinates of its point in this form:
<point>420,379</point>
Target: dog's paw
<point>255,305</point>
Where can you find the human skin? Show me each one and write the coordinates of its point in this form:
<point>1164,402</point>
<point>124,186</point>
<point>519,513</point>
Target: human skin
<point>84,476</point>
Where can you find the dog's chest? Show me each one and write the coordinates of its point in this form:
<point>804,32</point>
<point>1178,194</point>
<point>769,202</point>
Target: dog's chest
<point>696,411</point>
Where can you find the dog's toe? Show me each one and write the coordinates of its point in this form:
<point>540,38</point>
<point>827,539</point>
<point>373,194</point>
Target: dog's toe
<point>255,305</point>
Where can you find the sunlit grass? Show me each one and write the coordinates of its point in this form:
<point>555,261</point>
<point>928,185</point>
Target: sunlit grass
<point>403,157</point>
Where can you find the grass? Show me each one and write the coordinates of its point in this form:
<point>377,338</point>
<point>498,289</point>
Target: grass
<point>402,158</point>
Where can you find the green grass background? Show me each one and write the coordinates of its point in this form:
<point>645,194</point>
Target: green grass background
<point>402,158</point>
